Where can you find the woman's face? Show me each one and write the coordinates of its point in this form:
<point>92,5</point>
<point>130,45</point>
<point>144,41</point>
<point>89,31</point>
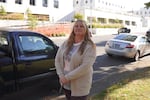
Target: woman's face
<point>79,28</point>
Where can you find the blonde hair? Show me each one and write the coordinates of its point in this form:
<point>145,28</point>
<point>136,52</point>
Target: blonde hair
<point>87,38</point>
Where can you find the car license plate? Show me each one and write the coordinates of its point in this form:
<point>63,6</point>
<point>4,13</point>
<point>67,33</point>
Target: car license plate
<point>116,46</point>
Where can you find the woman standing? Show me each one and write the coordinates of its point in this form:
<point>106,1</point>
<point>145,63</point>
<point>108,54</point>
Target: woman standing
<point>74,61</point>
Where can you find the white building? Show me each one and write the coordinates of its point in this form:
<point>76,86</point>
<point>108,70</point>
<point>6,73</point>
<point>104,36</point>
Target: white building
<point>53,9</point>
<point>103,11</point>
<point>144,13</point>
<point>106,12</point>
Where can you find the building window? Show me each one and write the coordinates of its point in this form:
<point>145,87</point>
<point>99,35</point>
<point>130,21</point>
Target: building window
<point>2,0</point>
<point>127,22</point>
<point>56,4</point>
<point>86,1</point>
<point>18,1</point>
<point>77,2</point>
<point>32,2</point>
<point>45,3</point>
<point>133,23</point>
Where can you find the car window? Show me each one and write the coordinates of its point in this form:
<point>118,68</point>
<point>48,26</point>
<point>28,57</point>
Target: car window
<point>35,45</point>
<point>125,37</point>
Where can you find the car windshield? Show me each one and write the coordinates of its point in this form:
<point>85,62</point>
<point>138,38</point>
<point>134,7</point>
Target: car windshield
<point>125,37</point>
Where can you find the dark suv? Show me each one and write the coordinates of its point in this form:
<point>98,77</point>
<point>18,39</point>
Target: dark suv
<point>148,35</point>
<point>123,30</point>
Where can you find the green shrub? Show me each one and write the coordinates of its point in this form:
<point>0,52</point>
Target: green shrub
<point>12,16</point>
<point>15,16</point>
<point>97,25</point>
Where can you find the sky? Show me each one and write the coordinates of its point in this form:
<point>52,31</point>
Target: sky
<point>131,4</point>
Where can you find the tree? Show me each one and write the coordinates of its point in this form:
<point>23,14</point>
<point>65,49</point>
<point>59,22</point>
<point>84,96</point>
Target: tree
<point>147,5</point>
<point>28,13</point>
<point>32,20</point>
<point>78,16</point>
<point>2,10</point>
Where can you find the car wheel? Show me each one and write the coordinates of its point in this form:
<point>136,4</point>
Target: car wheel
<point>110,55</point>
<point>137,56</point>
<point>1,89</point>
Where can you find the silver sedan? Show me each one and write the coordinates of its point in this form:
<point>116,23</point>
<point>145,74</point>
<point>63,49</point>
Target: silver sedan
<point>128,45</point>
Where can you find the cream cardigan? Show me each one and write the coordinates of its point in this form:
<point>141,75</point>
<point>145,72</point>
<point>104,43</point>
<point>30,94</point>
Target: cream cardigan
<point>81,69</point>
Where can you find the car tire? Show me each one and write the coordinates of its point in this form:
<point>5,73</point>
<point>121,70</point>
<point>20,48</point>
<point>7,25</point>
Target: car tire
<point>110,55</point>
<point>137,56</point>
<point>1,89</point>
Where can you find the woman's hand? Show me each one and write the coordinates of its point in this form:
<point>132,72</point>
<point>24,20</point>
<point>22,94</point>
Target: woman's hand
<point>63,80</point>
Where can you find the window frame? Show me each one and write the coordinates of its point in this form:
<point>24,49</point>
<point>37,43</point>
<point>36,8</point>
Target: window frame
<point>56,3</point>
<point>38,51</point>
<point>32,2</point>
<point>3,0</point>
<point>45,3</point>
<point>18,1</point>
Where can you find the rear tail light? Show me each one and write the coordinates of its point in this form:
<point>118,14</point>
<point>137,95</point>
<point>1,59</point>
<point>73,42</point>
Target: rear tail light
<point>130,46</point>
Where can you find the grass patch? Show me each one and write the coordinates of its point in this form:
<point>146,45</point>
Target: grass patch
<point>135,87</point>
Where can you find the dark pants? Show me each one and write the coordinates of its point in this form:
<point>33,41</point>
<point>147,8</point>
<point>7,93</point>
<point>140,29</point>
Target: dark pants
<point>69,97</point>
